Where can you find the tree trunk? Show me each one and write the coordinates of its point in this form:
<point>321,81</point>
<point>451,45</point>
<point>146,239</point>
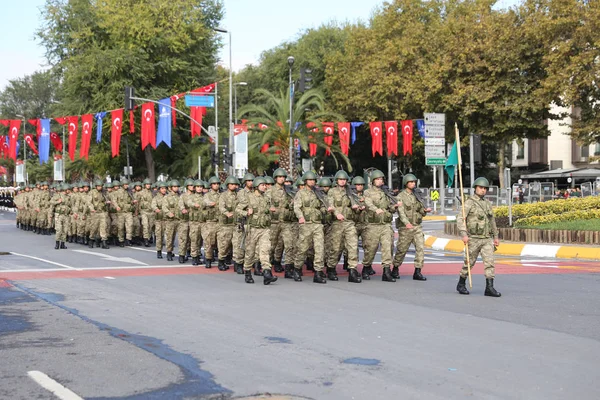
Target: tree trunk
<point>284,160</point>
<point>501,152</point>
<point>150,163</point>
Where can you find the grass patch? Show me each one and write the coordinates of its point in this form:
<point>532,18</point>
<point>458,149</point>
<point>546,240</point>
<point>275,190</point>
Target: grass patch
<point>577,225</point>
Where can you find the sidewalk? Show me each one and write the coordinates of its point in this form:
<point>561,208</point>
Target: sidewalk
<point>519,249</point>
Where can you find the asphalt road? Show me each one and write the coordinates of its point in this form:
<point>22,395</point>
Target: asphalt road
<point>121,324</point>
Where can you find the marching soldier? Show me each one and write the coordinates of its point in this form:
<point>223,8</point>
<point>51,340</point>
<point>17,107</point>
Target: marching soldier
<point>477,227</point>
<point>343,230</point>
<point>379,228</point>
<point>171,212</point>
<point>238,252</point>
<point>144,200</point>
<point>258,243</point>
<point>209,231</point>
<point>410,216</point>
<point>309,211</point>
<point>43,204</point>
<point>195,205</point>
<point>127,209</point>
<point>282,215</point>
<point>98,205</point>
<point>360,216</point>
<point>61,207</point>
<point>83,223</point>
<point>227,206</point>
<point>159,223</point>
<point>183,229</point>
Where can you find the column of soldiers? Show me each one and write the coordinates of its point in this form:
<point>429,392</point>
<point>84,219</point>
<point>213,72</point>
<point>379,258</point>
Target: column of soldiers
<point>268,223</point>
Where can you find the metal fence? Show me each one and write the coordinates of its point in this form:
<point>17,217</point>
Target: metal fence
<point>586,189</point>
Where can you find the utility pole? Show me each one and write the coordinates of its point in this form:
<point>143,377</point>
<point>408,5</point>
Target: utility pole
<point>290,61</point>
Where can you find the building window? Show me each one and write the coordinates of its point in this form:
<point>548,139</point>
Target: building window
<point>521,150</point>
<point>597,149</point>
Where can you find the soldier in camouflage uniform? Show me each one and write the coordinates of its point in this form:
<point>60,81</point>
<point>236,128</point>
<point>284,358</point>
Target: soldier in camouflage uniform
<point>379,228</point>
<point>238,251</point>
<point>211,218</point>
<point>183,228</point>
<point>196,205</point>
<point>61,207</point>
<point>282,216</point>
<point>258,244</point>
<point>127,211</point>
<point>83,223</point>
<point>410,216</point>
<point>159,223</point>
<point>479,232</point>
<point>121,204</point>
<point>137,232</point>
<point>360,216</point>
<point>144,202</point>
<point>343,230</point>
<point>43,205</point>
<point>325,185</point>
<point>172,214</point>
<point>98,207</point>
<point>309,211</point>
<point>227,206</point>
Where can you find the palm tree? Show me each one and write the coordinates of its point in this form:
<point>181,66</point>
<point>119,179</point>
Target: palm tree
<point>269,123</point>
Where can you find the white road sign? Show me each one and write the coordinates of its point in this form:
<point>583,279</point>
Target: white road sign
<point>435,151</point>
<point>437,131</point>
<point>435,119</point>
<point>435,141</point>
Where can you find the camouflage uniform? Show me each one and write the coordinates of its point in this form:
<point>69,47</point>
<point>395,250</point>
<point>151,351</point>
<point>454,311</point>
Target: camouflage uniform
<point>309,207</point>
<point>238,233</point>
<point>410,212</point>
<point>282,222</point>
<point>98,209</point>
<point>62,207</point>
<point>159,223</point>
<point>195,205</point>
<point>171,213</point>
<point>83,223</point>
<point>124,217</point>
<point>227,205</point>
<point>343,233</point>
<point>144,199</point>
<point>379,228</point>
<point>183,228</point>
<point>75,214</point>
<point>43,204</point>
<point>209,230</point>
<point>258,243</point>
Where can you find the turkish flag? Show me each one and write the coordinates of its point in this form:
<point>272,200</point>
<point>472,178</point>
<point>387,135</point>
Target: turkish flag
<point>239,129</point>
<point>205,89</point>
<point>376,138</point>
<point>312,146</point>
<point>328,131</point>
<point>407,135</point>
<point>62,120</point>
<point>4,122</point>
<point>87,121</point>
<point>55,139</point>
<point>197,113</point>
<point>148,126</point>
<point>73,125</point>
<point>30,142</point>
<point>38,127</point>
<point>344,132</point>
<point>13,131</point>
<point>131,122</point>
<point>3,145</point>
<point>391,136</point>
<point>115,131</point>
<point>174,99</point>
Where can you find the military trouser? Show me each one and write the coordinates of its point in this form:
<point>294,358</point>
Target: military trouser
<point>284,234</point>
<point>113,225</point>
<point>374,235</point>
<point>406,237</point>
<point>342,236</point>
<point>209,235</point>
<point>72,230</point>
<point>159,232</point>
<point>360,233</point>
<point>124,226</point>
<point>183,230</point>
<point>311,235</point>
<point>147,224</point>
<point>137,226</point>
<point>62,227</point>
<point>170,230</point>
<point>82,225</point>
<point>236,240</point>
<point>258,247</point>
<point>485,247</point>
<point>224,238</point>
<point>42,219</point>
<point>327,236</point>
<point>97,222</point>
<point>195,237</point>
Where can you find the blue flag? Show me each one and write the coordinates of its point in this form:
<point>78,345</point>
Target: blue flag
<point>44,141</point>
<point>164,122</point>
<point>421,127</point>
<point>99,117</point>
<point>355,125</point>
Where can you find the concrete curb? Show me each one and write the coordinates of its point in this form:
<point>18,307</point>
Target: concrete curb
<point>439,218</point>
<point>519,249</point>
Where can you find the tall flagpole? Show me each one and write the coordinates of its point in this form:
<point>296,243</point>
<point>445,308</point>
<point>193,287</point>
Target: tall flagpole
<point>462,197</point>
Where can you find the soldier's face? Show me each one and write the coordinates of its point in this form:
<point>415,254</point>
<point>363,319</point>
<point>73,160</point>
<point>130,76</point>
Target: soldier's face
<point>480,191</point>
<point>360,187</point>
<point>411,185</point>
<point>231,187</point>
<point>190,188</point>
<point>280,180</point>
<point>125,187</point>
<point>215,187</point>
<point>342,182</point>
<point>163,190</point>
<point>310,182</point>
<point>249,184</point>
<point>198,189</point>
<point>86,189</point>
<point>326,189</point>
<point>378,182</point>
<point>205,190</point>
<point>262,187</point>
<point>147,186</point>
<point>99,188</point>
<point>175,189</point>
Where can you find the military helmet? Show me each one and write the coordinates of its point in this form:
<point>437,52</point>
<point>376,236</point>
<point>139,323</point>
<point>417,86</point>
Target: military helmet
<point>341,175</point>
<point>116,183</point>
<point>44,183</point>
<point>189,182</point>
<point>198,182</point>
<point>97,182</point>
<point>232,180</point>
<point>325,182</point>
<point>248,177</point>
<point>299,182</point>
<point>269,180</point>
<point>85,183</point>
<point>147,181</point>
<point>125,181</point>
<point>66,186</point>
<point>214,179</point>
<point>109,185</point>
<point>358,180</point>
<point>408,178</point>
<point>137,183</point>
<point>481,181</point>
<point>377,174</point>
<point>174,183</point>
<point>162,184</point>
<point>309,175</point>
<point>257,181</point>
<point>279,172</point>
<point>289,179</point>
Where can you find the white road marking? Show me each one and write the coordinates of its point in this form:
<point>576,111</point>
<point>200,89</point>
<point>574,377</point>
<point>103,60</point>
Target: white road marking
<point>539,266</point>
<point>107,257</point>
<point>52,386</point>
<point>98,268</point>
<point>138,249</point>
<point>109,277</point>
<point>43,260</point>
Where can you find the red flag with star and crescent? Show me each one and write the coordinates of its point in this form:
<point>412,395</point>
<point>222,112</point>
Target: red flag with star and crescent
<point>30,142</point>
<point>376,138</point>
<point>115,131</point>
<point>13,131</point>
<point>38,126</point>
<point>312,146</point>
<point>407,136</point>
<point>3,146</point>
<point>391,136</point>
<point>56,141</point>
<point>328,131</point>
<point>87,121</point>
<point>344,132</point>
<point>73,125</point>
<point>148,126</point>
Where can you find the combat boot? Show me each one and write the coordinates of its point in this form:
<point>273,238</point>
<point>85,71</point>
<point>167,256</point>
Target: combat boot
<point>268,277</point>
<point>365,273</point>
<point>121,244</point>
<point>79,239</point>
<point>396,273</point>
<point>86,240</point>
<point>297,274</point>
<point>98,242</point>
<point>208,264</point>
<point>345,263</point>
<point>105,245</point>
<point>195,261</point>
<point>319,277</point>
<point>489,288</point>
<point>57,246</point>
<point>181,259</point>
<point>91,244</point>
<point>127,242</point>
<point>146,243</point>
<point>277,266</point>
<point>257,269</point>
<point>239,268</point>
<point>288,271</point>
<point>310,264</point>
<point>332,274</point>
<point>461,287</point>
<point>354,276</point>
<point>170,256</point>
<point>387,275</point>
<point>249,276</point>
<point>159,254</point>
<point>221,265</point>
<point>62,245</point>
<point>418,276</point>
<point>371,270</point>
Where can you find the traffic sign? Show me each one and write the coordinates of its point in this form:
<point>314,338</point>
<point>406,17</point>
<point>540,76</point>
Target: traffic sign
<point>212,132</point>
<point>435,195</point>
<point>435,131</point>
<point>435,161</point>
<point>435,141</point>
<point>195,100</point>
<point>435,151</point>
<point>435,119</point>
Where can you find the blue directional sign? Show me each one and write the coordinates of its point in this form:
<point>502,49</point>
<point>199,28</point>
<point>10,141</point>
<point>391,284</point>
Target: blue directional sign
<point>194,100</point>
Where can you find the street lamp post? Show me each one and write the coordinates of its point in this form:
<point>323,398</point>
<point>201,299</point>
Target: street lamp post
<point>24,149</point>
<point>290,61</point>
<point>235,101</point>
<point>221,30</point>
